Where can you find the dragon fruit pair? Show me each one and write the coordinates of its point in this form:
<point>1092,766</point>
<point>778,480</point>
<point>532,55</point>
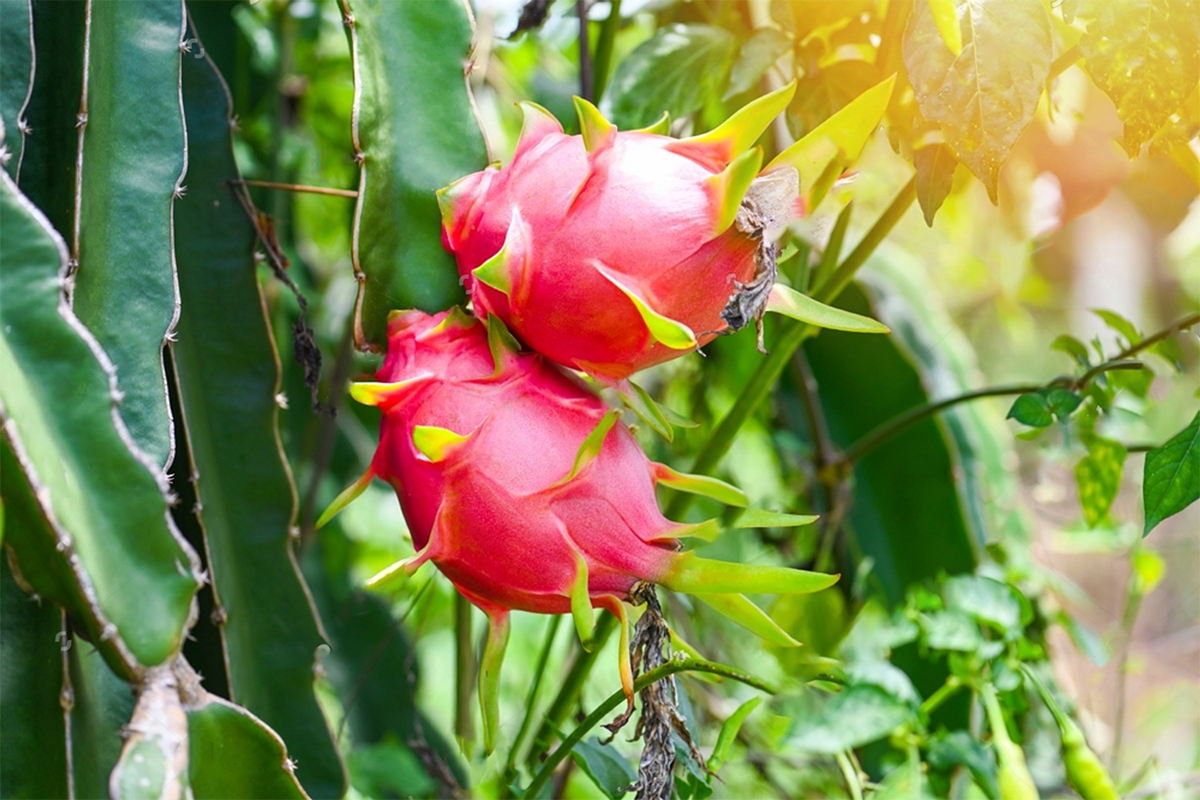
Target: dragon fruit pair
<point>606,252</point>
<point>528,493</point>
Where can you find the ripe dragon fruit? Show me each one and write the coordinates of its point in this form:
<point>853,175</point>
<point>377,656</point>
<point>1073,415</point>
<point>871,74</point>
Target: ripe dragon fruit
<point>612,251</point>
<point>528,493</point>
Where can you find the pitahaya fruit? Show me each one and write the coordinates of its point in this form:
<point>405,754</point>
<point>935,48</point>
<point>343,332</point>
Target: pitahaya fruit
<point>612,251</point>
<point>528,493</point>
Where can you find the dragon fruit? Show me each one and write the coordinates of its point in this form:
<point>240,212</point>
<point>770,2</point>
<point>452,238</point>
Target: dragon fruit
<point>528,493</point>
<point>612,251</point>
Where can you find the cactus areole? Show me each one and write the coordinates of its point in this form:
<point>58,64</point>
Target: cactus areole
<point>528,493</point>
<point>612,251</point>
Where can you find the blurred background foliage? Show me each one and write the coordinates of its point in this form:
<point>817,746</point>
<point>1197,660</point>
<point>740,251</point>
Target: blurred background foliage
<point>980,555</point>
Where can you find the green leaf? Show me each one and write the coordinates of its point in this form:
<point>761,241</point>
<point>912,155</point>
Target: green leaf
<point>131,169</point>
<point>729,732</point>
<point>231,753</point>
<point>790,303</point>
<point>1039,409</point>
<point>1098,477</point>
<point>1072,347</point>
<point>16,75</point>
<point>678,69</point>
<point>984,98</point>
<point>31,672</point>
<point>1145,55</point>
<point>988,601</point>
<point>762,518</point>
<point>935,177</point>
<point>48,156</point>
<point>227,373</point>
<point>415,131</point>
<point>1171,479</point>
<point>89,519</point>
<point>607,768</point>
<point>1119,324</point>
<point>858,715</point>
<point>951,630</point>
<point>756,55</point>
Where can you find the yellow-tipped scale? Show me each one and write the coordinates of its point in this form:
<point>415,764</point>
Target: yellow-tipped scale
<point>436,443</point>
<point>598,133</point>
<point>729,186</point>
<point>663,329</point>
<point>735,135</point>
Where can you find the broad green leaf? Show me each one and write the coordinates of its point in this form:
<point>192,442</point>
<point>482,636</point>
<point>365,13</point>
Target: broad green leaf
<point>988,601</point>
<point>371,662</point>
<point>232,753</point>
<point>1119,324</point>
<point>94,532</point>
<point>790,303</point>
<point>607,768</point>
<point>132,167</point>
<point>678,70</point>
<point>858,715</point>
<point>52,140</point>
<point>415,131</point>
<point>1171,479</point>
<point>227,374</point>
<point>844,135</point>
<point>950,630</point>
<point>824,92</point>
<point>756,55</point>
<point>935,176</point>
<point>984,98</point>
<point>1145,55</point>
<point>31,673</point>
<point>1098,477</point>
<point>1072,347</point>
<point>729,731</point>
<point>16,76</point>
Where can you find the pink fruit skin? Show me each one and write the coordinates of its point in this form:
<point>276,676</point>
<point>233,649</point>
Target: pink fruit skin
<point>494,514</point>
<point>639,209</point>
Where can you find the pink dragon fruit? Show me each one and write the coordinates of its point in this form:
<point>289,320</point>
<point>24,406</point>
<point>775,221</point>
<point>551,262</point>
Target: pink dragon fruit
<point>613,251</point>
<point>526,491</point>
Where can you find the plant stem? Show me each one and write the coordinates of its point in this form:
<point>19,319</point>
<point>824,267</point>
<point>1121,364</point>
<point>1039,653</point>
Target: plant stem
<point>931,704</point>
<point>510,768</point>
<point>604,709</point>
<point>851,775</point>
<point>604,50</point>
<point>572,684</point>
<point>897,425</point>
<point>1133,604</point>
<point>585,60</point>
<point>296,187</point>
<point>1167,332</point>
<point>791,335</point>
<point>464,669</point>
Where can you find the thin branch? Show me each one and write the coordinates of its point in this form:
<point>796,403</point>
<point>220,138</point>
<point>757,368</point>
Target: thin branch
<point>1064,62</point>
<point>853,781</point>
<point>616,698</point>
<point>296,187</point>
<point>585,59</point>
<point>510,764</point>
<point>1122,360</point>
<point>885,432</point>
